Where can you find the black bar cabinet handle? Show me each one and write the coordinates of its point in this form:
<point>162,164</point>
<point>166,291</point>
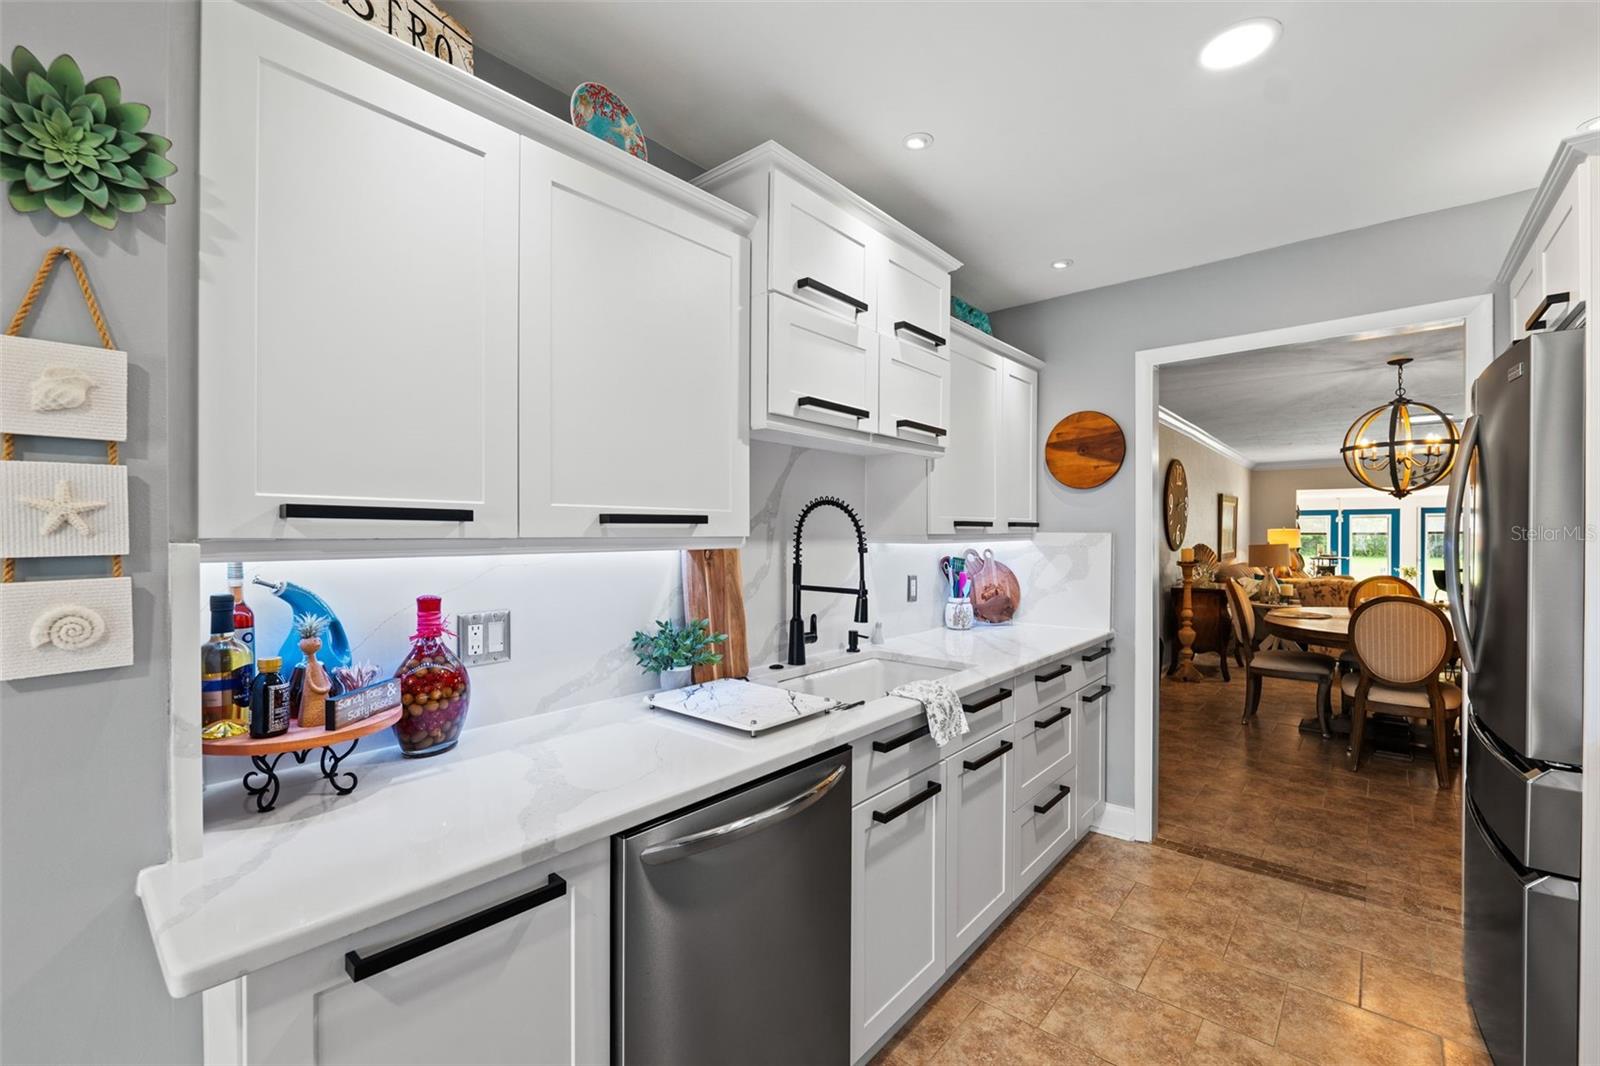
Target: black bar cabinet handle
<point>920,427</point>
<point>933,789</point>
<point>1096,656</point>
<point>1097,693</point>
<point>987,701</point>
<point>917,331</point>
<point>631,519</point>
<point>830,405</point>
<point>1536,320</point>
<point>1023,525</point>
<point>1046,723</point>
<point>380,514</point>
<point>829,290</point>
<point>361,967</point>
<point>970,524</point>
<point>979,764</point>
<point>1044,808</point>
<point>1060,671</point>
<point>900,741</point>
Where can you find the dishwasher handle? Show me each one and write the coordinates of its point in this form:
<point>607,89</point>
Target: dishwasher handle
<point>728,832</point>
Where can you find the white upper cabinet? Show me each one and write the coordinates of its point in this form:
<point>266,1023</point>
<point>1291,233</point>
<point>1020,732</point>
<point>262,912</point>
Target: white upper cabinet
<point>1020,456</point>
<point>357,336</point>
<point>962,497</point>
<point>633,342</point>
<point>830,276</point>
<point>1552,277</point>
<point>987,481</point>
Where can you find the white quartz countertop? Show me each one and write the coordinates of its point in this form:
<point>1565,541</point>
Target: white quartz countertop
<point>320,866</point>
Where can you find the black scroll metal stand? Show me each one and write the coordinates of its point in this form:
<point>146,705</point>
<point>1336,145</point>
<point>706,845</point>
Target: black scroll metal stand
<point>265,791</point>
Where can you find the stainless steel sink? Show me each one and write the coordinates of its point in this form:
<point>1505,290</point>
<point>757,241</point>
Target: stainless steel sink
<point>866,676</point>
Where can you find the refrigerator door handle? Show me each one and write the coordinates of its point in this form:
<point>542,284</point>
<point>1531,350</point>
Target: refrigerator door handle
<point>1452,544</point>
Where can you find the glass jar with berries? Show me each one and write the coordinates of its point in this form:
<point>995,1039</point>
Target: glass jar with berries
<point>433,688</point>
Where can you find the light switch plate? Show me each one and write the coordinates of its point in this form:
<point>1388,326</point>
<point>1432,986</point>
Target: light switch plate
<point>911,588</point>
<point>483,637</point>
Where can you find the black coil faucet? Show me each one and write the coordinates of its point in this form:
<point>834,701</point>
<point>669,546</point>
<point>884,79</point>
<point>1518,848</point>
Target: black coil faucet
<point>799,636</point>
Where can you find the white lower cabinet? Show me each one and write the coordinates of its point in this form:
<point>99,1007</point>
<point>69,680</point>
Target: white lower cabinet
<point>1044,828</point>
<point>1092,755</point>
<point>897,911</point>
<point>978,867</point>
<point>530,984</point>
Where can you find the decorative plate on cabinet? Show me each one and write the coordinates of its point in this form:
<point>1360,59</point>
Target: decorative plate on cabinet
<point>1175,504</point>
<point>1085,450</point>
<point>598,110</point>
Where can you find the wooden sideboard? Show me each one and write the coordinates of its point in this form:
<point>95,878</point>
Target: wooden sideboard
<point>1213,626</point>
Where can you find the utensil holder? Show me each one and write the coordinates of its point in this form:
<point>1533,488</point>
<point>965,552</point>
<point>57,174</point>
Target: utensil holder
<point>958,614</point>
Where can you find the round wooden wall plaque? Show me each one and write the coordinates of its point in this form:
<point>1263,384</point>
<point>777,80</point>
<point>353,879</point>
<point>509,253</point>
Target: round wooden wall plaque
<point>1085,449</point>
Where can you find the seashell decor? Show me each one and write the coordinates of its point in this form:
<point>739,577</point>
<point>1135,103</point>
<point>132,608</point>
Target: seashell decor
<point>68,627</point>
<point>59,388</point>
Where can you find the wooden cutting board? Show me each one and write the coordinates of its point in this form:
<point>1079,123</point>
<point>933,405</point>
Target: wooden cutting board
<point>1085,449</point>
<point>713,587</point>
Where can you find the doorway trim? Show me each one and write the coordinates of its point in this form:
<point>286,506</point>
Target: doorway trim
<point>1475,313</point>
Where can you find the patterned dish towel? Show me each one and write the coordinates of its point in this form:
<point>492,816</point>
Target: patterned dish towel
<point>946,719</point>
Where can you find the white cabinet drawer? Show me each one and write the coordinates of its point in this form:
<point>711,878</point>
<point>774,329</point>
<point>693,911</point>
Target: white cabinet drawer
<point>531,985</point>
<point>820,368</point>
<point>891,755</point>
<point>1043,829</point>
<point>1095,661</point>
<point>820,254</point>
<point>913,296</point>
<point>987,710</point>
<point>1050,684</point>
<point>1047,741</point>
<point>913,391</point>
<point>897,909</point>
<point>978,867</point>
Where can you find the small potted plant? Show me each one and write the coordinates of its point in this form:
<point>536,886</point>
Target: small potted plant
<point>673,651</point>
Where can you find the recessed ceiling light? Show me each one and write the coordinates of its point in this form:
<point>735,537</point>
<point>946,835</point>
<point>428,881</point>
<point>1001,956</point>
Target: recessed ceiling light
<point>1240,43</point>
<point>1061,264</point>
<point>1591,126</point>
<point>918,141</point>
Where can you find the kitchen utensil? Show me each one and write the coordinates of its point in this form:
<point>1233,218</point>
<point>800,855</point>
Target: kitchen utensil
<point>996,593</point>
<point>713,588</point>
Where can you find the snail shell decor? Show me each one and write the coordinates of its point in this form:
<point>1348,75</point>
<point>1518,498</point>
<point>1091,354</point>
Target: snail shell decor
<point>59,388</point>
<point>65,627</point>
<point>69,627</point>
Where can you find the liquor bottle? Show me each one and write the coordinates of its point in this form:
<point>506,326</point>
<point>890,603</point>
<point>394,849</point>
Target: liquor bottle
<point>269,700</point>
<point>244,619</point>
<point>226,669</point>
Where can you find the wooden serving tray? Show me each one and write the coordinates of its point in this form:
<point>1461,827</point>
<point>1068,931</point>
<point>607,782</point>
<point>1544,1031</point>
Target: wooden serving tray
<point>301,738</point>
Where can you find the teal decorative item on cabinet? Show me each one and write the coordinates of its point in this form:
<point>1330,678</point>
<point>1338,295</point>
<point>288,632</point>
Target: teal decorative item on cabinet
<point>973,317</point>
<point>77,148</point>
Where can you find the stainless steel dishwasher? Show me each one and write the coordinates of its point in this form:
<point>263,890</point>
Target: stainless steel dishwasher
<point>731,927</point>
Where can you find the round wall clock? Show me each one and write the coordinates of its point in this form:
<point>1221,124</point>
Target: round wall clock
<point>1084,450</point>
<point>1175,504</point>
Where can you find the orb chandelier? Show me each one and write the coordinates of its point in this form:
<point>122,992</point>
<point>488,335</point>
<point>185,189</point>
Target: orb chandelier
<point>1402,446</point>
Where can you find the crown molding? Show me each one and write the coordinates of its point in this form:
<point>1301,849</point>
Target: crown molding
<point>1179,424</point>
<point>1569,155</point>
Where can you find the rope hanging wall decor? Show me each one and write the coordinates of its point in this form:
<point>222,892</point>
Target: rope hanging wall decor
<point>58,509</point>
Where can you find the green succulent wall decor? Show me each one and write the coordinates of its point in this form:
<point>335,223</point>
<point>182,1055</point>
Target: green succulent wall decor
<point>76,148</point>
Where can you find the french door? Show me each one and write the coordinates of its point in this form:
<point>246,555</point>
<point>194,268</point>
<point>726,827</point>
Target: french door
<point>1370,541</point>
<point>1430,552</point>
<point>1319,535</point>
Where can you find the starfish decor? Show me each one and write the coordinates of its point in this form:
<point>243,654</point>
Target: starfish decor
<point>63,510</point>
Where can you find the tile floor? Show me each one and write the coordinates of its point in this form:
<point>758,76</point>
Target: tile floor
<point>1289,912</point>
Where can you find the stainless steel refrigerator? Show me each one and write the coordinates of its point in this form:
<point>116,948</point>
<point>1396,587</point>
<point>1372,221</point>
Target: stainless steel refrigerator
<point>1514,572</point>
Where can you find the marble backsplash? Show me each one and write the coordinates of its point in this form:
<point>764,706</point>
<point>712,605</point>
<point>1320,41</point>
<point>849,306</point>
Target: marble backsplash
<point>572,614</point>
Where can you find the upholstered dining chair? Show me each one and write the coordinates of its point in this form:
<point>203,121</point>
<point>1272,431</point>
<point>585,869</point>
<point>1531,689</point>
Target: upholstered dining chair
<point>1401,644</point>
<point>1325,592</point>
<point>1309,666</point>
<point>1380,585</point>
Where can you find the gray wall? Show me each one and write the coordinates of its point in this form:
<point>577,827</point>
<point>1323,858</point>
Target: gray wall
<point>1088,340</point>
<point>519,83</point>
<point>83,757</point>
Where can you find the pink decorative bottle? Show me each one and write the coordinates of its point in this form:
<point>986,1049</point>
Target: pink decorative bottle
<point>433,688</point>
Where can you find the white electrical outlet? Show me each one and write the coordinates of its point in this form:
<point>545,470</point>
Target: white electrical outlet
<point>483,637</point>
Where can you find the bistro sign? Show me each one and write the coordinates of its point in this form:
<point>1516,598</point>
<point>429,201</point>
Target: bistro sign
<point>419,24</point>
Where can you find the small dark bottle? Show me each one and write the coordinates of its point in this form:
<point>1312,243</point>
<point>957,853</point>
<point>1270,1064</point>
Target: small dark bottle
<point>269,699</point>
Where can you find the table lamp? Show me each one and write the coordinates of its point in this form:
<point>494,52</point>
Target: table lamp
<point>1270,557</point>
<point>1289,537</point>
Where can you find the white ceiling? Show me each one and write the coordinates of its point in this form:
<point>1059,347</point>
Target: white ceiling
<point>1294,403</point>
<point>1088,130</point>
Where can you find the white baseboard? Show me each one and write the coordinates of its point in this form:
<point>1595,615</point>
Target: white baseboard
<point>1118,821</point>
